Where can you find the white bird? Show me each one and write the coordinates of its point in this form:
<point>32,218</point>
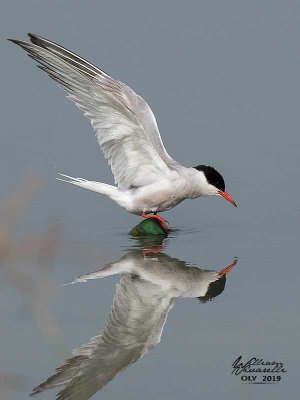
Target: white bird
<point>147,291</point>
<point>148,179</point>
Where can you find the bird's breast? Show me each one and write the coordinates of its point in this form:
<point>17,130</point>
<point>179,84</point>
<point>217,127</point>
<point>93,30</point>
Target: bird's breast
<point>161,195</point>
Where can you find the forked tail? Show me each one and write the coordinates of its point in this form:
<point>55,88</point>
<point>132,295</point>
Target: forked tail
<point>98,187</point>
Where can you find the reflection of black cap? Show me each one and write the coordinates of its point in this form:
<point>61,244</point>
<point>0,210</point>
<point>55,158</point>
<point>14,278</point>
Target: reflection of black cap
<point>214,289</point>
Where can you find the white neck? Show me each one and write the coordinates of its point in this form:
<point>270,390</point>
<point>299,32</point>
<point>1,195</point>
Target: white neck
<point>199,185</point>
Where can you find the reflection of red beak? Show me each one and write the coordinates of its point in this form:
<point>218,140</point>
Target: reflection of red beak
<point>227,197</point>
<point>227,269</point>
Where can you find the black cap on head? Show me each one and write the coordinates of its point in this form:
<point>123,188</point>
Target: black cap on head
<point>214,289</point>
<point>213,177</point>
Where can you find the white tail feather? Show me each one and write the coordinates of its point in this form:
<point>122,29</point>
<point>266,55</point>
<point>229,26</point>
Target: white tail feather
<point>98,187</point>
<point>121,197</point>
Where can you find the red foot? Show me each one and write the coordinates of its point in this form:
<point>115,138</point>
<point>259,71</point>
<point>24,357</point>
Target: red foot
<point>227,269</point>
<point>153,251</point>
<point>163,222</point>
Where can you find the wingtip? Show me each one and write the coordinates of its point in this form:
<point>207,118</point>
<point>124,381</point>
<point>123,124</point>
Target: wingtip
<point>13,40</point>
<point>32,36</point>
<point>37,39</point>
<point>34,392</point>
<point>20,43</point>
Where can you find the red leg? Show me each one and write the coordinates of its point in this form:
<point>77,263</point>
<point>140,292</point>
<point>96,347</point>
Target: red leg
<point>157,250</point>
<point>163,222</point>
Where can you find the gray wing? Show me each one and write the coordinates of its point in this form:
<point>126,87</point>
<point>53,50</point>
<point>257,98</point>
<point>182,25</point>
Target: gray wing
<point>125,126</point>
<point>134,326</point>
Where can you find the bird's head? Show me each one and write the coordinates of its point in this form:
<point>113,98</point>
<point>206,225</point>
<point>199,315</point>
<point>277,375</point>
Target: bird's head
<point>216,286</point>
<point>214,183</point>
<point>213,290</point>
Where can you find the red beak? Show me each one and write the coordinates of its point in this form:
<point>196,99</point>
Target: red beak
<point>227,197</point>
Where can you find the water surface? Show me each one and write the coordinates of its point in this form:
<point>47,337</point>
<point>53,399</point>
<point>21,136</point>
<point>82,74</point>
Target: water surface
<point>244,315</point>
<point>222,79</point>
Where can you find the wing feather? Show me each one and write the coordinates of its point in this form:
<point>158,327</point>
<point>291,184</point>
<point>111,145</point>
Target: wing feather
<point>125,125</point>
<point>124,93</point>
<point>134,325</point>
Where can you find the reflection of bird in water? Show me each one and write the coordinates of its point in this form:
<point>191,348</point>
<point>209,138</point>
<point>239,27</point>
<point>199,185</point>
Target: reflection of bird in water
<point>148,179</point>
<point>148,288</point>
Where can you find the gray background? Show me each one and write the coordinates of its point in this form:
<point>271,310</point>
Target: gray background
<point>223,81</point>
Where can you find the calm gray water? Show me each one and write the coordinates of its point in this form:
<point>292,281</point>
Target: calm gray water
<point>223,81</point>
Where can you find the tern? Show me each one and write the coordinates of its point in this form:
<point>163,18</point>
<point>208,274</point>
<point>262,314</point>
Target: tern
<point>147,291</point>
<point>148,180</point>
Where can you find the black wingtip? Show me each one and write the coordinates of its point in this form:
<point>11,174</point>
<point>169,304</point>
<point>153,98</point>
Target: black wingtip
<point>37,40</point>
<point>34,39</point>
<point>36,390</point>
<point>20,43</point>
<point>32,36</point>
<point>13,40</point>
